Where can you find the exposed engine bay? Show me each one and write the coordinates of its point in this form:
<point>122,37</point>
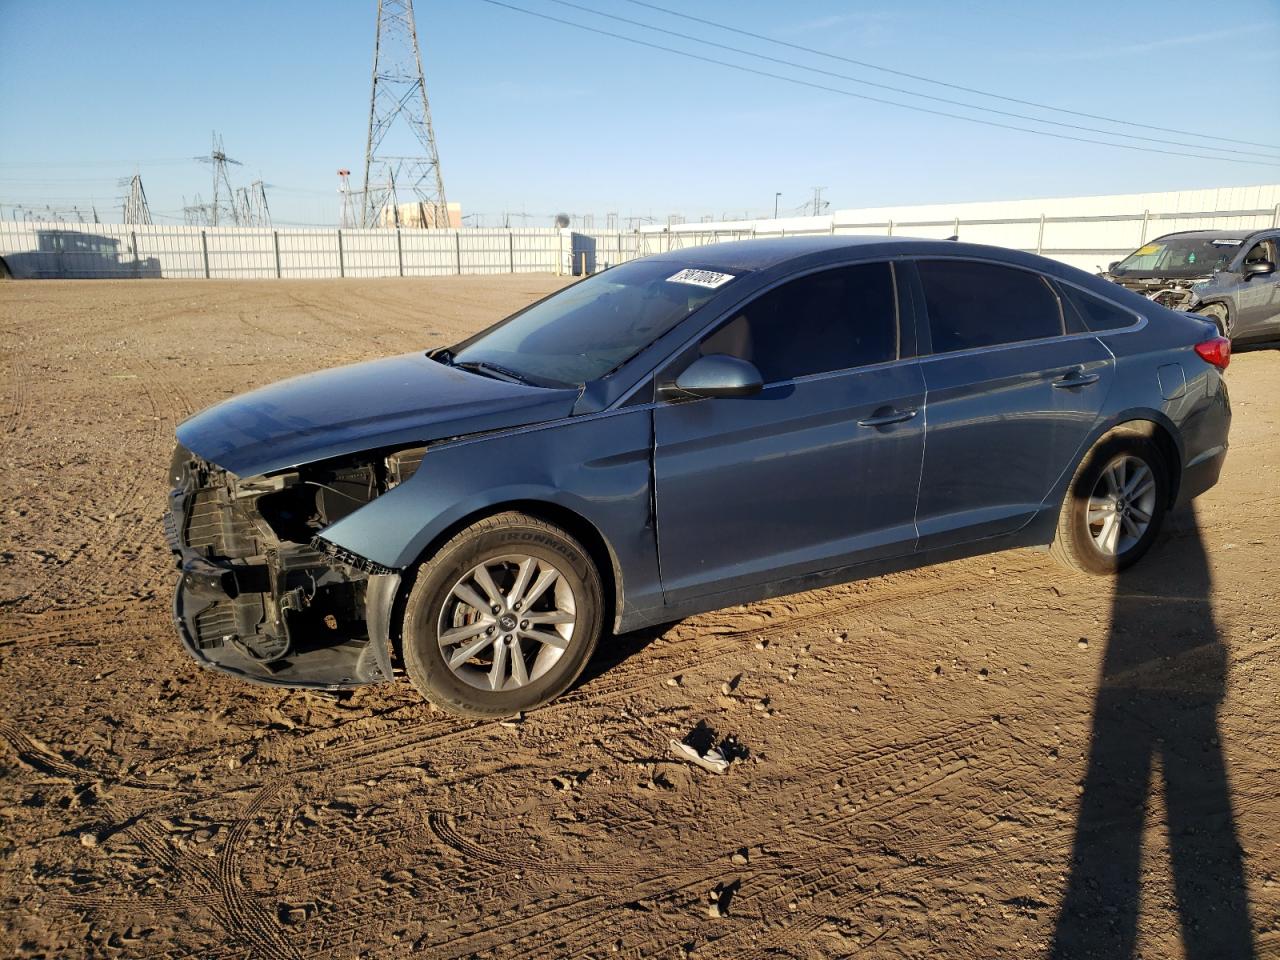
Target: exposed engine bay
<point>261,593</point>
<point>1174,294</point>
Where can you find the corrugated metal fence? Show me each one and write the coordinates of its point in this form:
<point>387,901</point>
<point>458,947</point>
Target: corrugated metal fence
<point>1084,232</point>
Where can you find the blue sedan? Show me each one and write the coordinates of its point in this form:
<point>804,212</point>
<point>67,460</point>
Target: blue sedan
<point>681,433</point>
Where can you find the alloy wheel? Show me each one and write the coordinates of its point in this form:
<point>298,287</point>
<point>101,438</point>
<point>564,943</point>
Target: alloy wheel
<point>1122,504</point>
<point>506,622</point>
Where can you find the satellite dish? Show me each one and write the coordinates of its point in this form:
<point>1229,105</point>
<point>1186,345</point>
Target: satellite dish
<point>562,220</point>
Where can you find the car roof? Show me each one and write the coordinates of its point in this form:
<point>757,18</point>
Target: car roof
<point>767,252</point>
<point>1213,234</point>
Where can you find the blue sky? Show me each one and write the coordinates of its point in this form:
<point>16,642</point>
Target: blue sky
<point>539,117</point>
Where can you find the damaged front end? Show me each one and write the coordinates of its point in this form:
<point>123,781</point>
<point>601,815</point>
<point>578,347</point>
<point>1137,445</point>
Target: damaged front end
<point>261,594</point>
<point>1176,294</point>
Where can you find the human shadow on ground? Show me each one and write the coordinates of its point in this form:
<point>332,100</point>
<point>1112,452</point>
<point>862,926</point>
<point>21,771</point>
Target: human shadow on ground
<point>1163,677</point>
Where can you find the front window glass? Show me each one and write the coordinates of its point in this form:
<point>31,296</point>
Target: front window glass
<point>1179,257</point>
<point>598,324</point>
<point>834,320</point>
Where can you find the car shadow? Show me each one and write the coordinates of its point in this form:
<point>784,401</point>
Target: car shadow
<point>1163,677</point>
<point>614,650</point>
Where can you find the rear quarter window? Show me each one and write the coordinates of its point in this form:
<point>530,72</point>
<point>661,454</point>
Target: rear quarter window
<point>1095,314</point>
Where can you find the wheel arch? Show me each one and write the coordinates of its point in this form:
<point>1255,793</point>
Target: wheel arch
<point>598,548</point>
<point>1162,436</point>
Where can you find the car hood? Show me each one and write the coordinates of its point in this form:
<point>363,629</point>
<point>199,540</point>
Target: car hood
<point>397,401</point>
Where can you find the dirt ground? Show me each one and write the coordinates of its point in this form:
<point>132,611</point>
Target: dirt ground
<point>919,783</point>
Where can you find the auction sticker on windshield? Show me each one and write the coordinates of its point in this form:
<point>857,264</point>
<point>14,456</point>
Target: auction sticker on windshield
<point>701,278</point>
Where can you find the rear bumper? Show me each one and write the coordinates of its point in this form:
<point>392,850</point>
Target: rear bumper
<point>1201,474</point>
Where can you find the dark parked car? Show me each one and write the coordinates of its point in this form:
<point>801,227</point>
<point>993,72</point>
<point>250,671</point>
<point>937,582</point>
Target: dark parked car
<point>677,434</point>
<point>1227,276</point>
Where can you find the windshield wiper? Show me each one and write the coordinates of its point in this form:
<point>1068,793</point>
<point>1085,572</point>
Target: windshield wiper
<point>493,370</point>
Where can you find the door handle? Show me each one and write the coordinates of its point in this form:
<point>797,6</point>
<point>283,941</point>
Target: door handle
<point>1077,378</point>
<point>884,419</point>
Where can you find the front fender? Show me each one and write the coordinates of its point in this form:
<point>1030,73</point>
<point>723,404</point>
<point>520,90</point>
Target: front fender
<point>597,467</point>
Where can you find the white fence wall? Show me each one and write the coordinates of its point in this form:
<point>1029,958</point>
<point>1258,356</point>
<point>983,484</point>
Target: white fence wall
<point>93,250</point>
<point>1083,231</point>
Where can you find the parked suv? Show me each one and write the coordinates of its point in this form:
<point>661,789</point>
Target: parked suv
<point>1227,276</point>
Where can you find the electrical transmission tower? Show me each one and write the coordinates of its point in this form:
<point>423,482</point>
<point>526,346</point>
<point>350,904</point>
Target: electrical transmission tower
<point>240,207</point>
<point>818,203</point>
<point>222,210</point>
<point>259,212</point>
<point>347,216</point>
<point>195,214</point>
<point>135,204</point>
<point>400,91</point>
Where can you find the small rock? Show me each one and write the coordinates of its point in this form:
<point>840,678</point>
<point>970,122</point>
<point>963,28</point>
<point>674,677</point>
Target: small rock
<point>88,839</point>
<point>740,858</point>
<point>1083,643</point>
<point>761,643</point>
<point>674,681</point>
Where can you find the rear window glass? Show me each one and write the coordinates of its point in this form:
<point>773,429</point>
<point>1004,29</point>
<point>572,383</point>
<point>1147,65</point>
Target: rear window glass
<point>1096,314</point>
<point>973,304</point>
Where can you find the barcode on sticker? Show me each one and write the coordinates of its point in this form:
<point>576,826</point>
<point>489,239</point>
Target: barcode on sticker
<point>701,278</point>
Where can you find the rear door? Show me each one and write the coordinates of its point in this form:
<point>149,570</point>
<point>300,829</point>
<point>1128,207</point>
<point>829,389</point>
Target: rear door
<point>1011,398</point>
<point>817,471</point>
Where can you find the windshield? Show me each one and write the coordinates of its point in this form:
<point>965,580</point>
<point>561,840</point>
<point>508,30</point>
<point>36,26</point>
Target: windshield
<point>595,326</point>
<point>1180,257</point>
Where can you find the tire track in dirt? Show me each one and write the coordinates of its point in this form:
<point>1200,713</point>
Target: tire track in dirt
<point>16,409</point>
<point>245,916</point>
<point>884,769</point>
<point>695,650</point>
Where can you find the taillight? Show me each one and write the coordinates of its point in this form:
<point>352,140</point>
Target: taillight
<point>1215,350</point>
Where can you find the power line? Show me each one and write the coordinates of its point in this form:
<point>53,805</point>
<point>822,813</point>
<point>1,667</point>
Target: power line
<point>862,96</point>
<point>906,92</point>
<point>943,83</point>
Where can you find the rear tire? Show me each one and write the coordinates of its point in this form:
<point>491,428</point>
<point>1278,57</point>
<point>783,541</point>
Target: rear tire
<point>503,618</point>
<point>1114,505</point>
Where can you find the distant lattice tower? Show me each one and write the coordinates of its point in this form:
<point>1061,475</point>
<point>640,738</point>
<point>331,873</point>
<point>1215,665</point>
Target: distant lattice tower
<point>400,92</point>
<point>347,215</point>
<point>259,212</point>
<point>222,210</point>
<point>135,202</point>
<point>240,208</point>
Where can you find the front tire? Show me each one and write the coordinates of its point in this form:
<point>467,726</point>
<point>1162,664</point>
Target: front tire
<point>503,618</point>
<point>1114,505</point>
<point>1217,313</point>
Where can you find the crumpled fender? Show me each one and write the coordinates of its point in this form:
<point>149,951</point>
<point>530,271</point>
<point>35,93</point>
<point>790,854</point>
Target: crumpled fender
<point>597,467</point>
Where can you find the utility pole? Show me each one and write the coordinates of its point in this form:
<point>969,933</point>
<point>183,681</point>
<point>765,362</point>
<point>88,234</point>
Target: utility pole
<point>222,210</point>
<point>400,91</point>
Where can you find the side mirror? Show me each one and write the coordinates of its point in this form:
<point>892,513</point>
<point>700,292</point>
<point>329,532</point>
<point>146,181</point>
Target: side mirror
<point>716,375</point>
<point>1112,266</point>
<point>1259,268</point>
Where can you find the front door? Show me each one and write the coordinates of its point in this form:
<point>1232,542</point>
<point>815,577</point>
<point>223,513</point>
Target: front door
<point>1258,298</point>
<point>817,471</point>
<point>1010,399</point>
